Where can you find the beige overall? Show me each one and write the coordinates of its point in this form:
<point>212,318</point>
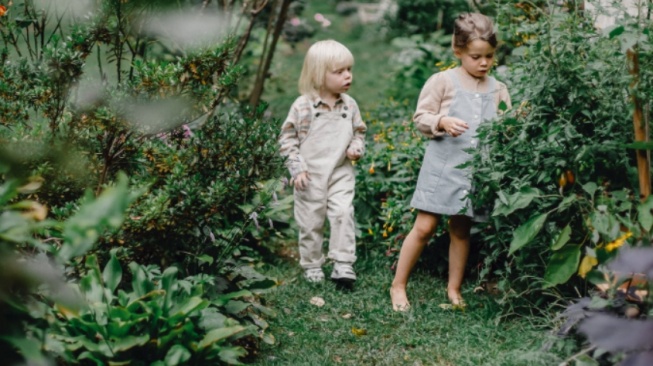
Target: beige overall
<point>330,192</point>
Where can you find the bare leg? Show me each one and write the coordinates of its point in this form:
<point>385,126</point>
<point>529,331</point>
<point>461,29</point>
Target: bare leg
<point>459,228</point>
<point>423,229</point>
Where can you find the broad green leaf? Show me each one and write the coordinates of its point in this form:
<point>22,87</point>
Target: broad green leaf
<point>190,305</point>
<point>562,239</point>
<point>205,258</point>
<point>235,306</point>
<point>177,355</point>
<point>112,272</point>
<point>8,190</point>
<point>219,334</point>
<point>140,283</point>
<point>614,30</point>
<point>590,188</point>
<point>526,232</point>
<point>645,213</point>
<point>639,145</point>
<point>516,201</point>
<point>232,355</point>
<point>562,265</point>
<point>129,342</point>
<point>223,299</point>
<point>167,283</point>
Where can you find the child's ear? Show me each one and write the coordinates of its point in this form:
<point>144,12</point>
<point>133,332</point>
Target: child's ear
<point>457,52</point>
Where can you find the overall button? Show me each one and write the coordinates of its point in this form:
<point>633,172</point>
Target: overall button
<point>473,142</point>
<point>465,191</point>
<point>346,108</point>
<point>476,95</point>
<point>317,114</point>
<point>344,115</point>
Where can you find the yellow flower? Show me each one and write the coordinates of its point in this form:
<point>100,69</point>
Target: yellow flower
<point>385,234</point>
<point>369,231</point>
<point>586,265</point>
<point>618,242</point>
<point>371,169</point>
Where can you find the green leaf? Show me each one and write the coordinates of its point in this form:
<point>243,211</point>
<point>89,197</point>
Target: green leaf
<point>232,355</point>
<point>140,283</point>
<point>526,232</point>
<point>219,334</point>
<point>205,258</point>
<point>190,305</point>
<point>645,213</point>
<point>614,30</point>
<point>223,299</point>
<point>112,274</point>
<point>167,282</point>
<point>177,355</point>
<point>562,265</point>
<point>129,342</point>
<point>516,201</point>
<point>590,188</point>
<point>235,306</point>
<point>562,239</point>
<point>640,145</point>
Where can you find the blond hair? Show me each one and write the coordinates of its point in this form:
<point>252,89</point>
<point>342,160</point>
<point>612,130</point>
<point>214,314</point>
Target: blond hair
<point>321,57</point>
<point>469,27</point>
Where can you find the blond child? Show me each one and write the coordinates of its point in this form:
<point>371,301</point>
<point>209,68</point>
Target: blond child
<point>321,136</point>
<point>451,106</point>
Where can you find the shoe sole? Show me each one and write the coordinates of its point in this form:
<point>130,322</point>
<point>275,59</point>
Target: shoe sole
<point>343,279</point>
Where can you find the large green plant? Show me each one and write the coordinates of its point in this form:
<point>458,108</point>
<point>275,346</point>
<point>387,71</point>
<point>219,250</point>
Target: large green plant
<point>555,172</point>
<point>158,320</point>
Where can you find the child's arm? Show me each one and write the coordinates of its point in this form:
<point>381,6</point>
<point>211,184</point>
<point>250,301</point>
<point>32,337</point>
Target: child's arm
<point>356,147</point>
<point>289,141</point>
<point>427,114</point>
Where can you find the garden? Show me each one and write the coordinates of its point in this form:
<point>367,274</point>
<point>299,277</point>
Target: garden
<point>146,215</point>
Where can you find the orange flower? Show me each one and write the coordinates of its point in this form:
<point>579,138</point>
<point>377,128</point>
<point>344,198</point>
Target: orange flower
<point>3,10</point>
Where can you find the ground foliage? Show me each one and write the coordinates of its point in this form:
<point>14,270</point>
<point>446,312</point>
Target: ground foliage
<point>87,97</point>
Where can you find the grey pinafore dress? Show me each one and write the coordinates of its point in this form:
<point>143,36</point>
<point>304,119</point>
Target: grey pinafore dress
<point>442,188</point>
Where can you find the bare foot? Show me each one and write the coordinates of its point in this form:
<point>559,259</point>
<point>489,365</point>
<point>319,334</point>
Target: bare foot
<point>399,299</point>
<point>456,298</point>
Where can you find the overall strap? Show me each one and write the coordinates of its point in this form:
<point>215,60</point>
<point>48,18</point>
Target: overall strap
<point>492,87</point>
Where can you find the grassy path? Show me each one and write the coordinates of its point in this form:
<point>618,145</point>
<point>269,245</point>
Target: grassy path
<point>307,334</point>
<point>426,335</point>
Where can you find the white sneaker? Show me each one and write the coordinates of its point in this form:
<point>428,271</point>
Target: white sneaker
<point>343,272</point>
<point>314,275</point>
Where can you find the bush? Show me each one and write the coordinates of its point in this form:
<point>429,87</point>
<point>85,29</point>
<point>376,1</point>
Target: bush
<point>555,171</point>
<point>424,16</point>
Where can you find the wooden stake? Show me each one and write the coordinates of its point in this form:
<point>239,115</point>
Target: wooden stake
<point>643,163</point>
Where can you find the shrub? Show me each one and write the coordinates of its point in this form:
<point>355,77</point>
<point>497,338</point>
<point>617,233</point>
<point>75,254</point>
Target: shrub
<point>555,171</point>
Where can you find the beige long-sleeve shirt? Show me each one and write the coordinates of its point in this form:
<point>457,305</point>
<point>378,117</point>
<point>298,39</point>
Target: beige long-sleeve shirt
<point>298,123</point>
<point>438,93</point>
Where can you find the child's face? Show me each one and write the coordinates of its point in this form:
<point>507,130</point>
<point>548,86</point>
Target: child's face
<point>477,58</point>
<point>337,81</point>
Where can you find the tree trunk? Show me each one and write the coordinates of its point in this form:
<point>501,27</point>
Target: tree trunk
<point>261,77</point>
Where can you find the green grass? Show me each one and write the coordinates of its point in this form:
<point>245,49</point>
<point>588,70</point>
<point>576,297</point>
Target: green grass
<point>425,335</point>
<point>372,54</point>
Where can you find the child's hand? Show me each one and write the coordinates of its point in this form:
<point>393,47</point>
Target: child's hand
<point>453,126</point>
<point>354,153</point>
<point>301,181</point>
